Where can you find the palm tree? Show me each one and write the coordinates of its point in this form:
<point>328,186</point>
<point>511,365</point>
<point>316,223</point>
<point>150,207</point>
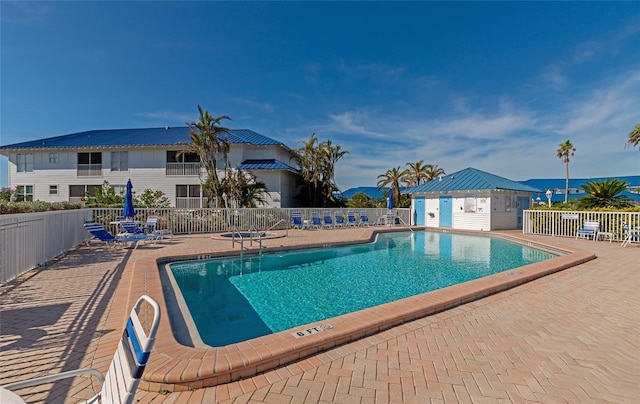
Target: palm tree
<point>309,165</point>
<point>634,136</point>
<point>565,150</point>
<point>603,194</point>
<point>393,177</point>
<point>416,173</point>
<point>208,142</point>
<point>317,162</point>
<point>330,155</point>
<point>433,172</point>
<point>244,190</point>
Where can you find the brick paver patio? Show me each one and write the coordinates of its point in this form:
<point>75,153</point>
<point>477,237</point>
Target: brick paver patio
<point>573,336</point>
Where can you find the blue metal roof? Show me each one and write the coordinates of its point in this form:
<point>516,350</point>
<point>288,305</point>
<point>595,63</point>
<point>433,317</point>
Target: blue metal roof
<point>371,192</point>
<point>265,165</point>
<point>168,136</point>
<point>469,179</point>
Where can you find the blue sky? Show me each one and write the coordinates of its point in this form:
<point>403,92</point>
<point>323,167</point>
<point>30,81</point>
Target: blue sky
<point>496,86</point>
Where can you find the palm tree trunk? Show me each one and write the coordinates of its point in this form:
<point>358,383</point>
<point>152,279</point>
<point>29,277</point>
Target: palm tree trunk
<point>566,185</point>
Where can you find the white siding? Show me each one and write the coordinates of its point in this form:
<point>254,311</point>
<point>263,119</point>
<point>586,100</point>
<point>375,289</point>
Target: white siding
<point>146,169</point>
<point>494,210</point>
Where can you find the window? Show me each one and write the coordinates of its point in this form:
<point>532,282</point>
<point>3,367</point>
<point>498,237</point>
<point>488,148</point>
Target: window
<point>120,161</point>
<point>188,191</point>
<point>53,190</point>
<point>81,191</point>
<point>119,189</point>
<point>89,158</point>
<point>89,164</point>
<point>25,163</point>
<point>24,193</point>
<point>507,204</point>
<point>182,157</point>
<point>53,158</point>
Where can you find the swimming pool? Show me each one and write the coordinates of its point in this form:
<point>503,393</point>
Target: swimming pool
<point>232,300</point>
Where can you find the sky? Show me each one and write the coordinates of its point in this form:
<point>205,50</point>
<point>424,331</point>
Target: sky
<point>492,85</point>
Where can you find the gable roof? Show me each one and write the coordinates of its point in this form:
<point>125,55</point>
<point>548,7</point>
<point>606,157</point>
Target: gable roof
<point>269,164</point>
<point>469,179</point>
<point>146,137</point>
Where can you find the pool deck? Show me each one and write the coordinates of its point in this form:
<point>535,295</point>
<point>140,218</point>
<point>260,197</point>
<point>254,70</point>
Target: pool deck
<point>570,336</point>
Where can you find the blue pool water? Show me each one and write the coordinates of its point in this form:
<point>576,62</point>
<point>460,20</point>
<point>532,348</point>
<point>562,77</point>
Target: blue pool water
<point>233,300</point>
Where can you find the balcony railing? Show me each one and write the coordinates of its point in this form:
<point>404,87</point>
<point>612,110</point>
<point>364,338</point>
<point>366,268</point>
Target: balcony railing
<point>189,203</point>
<point>182,169</point>
<point>89,170</point>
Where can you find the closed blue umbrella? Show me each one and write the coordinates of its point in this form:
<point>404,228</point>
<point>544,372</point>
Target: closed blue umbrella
<point>129,211</point>
<point>390,200</point>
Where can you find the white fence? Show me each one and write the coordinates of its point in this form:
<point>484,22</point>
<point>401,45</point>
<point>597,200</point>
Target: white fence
<point>31,239</point>
<point>212,220</point>
<point>567,223</point>
<point>28,240</point>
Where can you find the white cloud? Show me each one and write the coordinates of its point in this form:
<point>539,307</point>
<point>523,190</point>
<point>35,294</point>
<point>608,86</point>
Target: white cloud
<point>25,12</point>
<point>605,106</point>
<point>554,77</point>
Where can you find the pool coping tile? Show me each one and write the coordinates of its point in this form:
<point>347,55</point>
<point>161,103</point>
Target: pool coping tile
<point>176,367</point>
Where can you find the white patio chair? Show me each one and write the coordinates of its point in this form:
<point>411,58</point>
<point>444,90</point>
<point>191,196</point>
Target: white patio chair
<point>120,383</point>
<point>589,229</point>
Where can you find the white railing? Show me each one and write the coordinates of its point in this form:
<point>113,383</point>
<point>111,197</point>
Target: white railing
<point>189,203</point>
<point>89,170</point>
<point>29,240</point>
<point>182,169</point>
<point>213,220</point>
<point>567,223</point>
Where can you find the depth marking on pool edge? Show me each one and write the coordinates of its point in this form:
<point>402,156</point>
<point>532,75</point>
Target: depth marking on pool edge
<point>313,330</point>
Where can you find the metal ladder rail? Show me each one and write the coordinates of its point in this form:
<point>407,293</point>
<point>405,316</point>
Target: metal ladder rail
<point>277,223</point>
<point>253,228</point>
<point>235,231</point>
<point>405,223</point>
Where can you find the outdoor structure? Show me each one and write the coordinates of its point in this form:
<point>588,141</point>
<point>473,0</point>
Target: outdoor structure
<point>68,167</point>
<point>470,199</point>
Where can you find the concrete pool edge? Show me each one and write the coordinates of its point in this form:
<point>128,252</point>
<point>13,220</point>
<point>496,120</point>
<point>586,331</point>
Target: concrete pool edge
<point>175,367</point>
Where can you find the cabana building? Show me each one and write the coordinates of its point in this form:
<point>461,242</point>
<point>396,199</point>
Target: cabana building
<point>470,199</point>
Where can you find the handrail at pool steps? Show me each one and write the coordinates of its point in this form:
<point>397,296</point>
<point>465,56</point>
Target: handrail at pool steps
<point>252,230</point>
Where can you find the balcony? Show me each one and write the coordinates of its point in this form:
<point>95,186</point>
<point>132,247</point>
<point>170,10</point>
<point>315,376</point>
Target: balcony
<point>89,170</point>
<point>182,169</point>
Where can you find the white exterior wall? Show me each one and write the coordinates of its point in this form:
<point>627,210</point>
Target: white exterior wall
<point>492,210</point>
<point>146,169</point>
<point>479,220</point>
<point>432,214</point>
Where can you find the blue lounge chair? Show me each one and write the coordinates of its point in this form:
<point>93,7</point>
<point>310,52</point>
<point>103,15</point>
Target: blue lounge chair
<point>297,220</point>
<point>121,381</point>
<point>340,220</point>
<point>351,219</point>
<point>327,220</point>
<point>364,219</point>
<point>131,229</point>
<point>316,221</point>
<point>109,239</point>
